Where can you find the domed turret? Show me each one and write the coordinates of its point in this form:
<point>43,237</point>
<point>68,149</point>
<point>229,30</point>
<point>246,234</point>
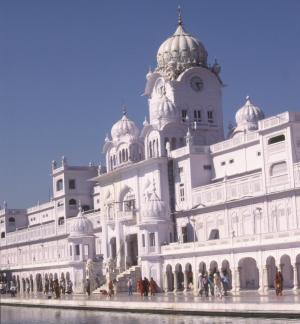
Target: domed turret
<point>247,117</point>
<point>155,208</point>
<point>179,52</point>
<point>81,226</point>
<point>124,128</point>
<point>166,110</point>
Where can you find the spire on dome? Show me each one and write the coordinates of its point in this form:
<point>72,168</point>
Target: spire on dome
<point>180,22</point>
<point>124,109</point>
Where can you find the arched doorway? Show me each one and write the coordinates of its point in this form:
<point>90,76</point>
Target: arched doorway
<point>226,271</point>
<point>188,277</point>
<point>39,283</point>
<point>287,271</point>
<point>179,277</point>
<point>31,283</point>
<point>249,275</point>
<point>169,278</point>
<point>271,271</point>
<point>202,268</point>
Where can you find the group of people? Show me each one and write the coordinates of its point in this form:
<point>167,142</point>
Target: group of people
<point>144,287</point>
<point>8,287</point>
<point>216,284</point>
<point>57,287</point>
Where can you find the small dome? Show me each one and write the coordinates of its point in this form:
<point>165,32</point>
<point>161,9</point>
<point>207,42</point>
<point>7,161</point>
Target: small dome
<point>166,109</point>
<point>124,127</point>
<point>180,51</point>
<point>155,208</point>
<point>81,226</point>
<point>247,117</point>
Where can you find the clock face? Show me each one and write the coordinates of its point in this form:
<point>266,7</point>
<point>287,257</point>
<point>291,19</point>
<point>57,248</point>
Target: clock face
<point>196,83</point>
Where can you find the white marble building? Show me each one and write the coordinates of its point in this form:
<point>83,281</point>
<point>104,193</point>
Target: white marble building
<point>176,197</point>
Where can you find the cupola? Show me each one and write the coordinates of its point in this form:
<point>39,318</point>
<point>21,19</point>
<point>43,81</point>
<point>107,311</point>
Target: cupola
<point>247,117</point>
<point>81,226</point>
<point>124,128</point>
<point>180,52</point>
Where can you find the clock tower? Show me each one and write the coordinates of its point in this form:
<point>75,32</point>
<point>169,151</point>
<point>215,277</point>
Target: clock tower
<point>185,93</point>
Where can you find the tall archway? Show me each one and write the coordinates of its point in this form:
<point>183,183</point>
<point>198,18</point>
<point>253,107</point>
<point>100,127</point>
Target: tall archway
<point>179,277</point>
<point>169,278</point>
<point>188,273</point>
<point>271,271</point>
<point>226,271</point>
<point>249,275</point>
<point>31,282</point>
<point>287,271</point>
<point>202,268</point>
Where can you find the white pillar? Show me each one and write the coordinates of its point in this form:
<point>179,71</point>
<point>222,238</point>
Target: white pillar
<point>237,280</point>
<point>295,272</point>
<point>166,288</point>
<point>175,281</point>
<point>185,282</point>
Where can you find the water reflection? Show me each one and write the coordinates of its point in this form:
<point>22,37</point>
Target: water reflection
<point>17,315</point>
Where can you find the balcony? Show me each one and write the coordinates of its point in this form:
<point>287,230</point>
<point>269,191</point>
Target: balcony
<point>127,215</point>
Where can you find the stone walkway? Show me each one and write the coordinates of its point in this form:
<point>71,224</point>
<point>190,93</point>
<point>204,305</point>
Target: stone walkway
<point>245,304</point>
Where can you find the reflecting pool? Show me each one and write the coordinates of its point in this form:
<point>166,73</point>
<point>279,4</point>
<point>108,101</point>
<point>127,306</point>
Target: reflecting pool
<point>30,315</point>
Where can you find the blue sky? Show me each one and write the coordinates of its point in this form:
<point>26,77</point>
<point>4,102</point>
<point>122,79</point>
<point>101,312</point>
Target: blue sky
<point>67,67</point>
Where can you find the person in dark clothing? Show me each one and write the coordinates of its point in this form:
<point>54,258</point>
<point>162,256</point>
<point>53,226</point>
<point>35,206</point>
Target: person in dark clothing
<point>88,287</point>
<point>146,286</point>
<point>211,283</point>
<point>56,288</point>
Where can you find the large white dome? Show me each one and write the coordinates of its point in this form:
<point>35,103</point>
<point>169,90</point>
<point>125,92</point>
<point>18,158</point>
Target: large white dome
<point>179,52</point>
<point>81,226</point>
<point>247,116</point>
<point>124,128</point>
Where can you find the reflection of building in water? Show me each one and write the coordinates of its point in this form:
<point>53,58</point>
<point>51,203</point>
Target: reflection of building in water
<point>175,198</point>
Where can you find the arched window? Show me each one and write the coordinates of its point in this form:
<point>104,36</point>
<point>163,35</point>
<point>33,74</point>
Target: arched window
<point>114,159</point>
<point>126,155</point>
<point>123,155</point>
<point>276,139</point>
<point>155,147</point>
<point>129,201</point>
<point>214,234</point>
<point>11,219</point>
<point>2,234</point>
<point>278,169</point>
<point>111,162</point>
<point>150,149</point>
<point>72,202</point>
<point>59,185</point>
<point>61,220</point>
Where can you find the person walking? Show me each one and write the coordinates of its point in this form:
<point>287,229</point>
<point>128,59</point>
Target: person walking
<point>211,283</point>
<point>200,285</point>
<point>205,284</point>
<point>129,285</point>
<point>278,283</point>
<point>46,290</point>
<point>88,287</point>
<point>56,289</point>
<point>146,286</point>
<point>217,285</point>
<point>140,288</point>
<point>110,288</point>
<point>225,282</point>
<point>153,287</point>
